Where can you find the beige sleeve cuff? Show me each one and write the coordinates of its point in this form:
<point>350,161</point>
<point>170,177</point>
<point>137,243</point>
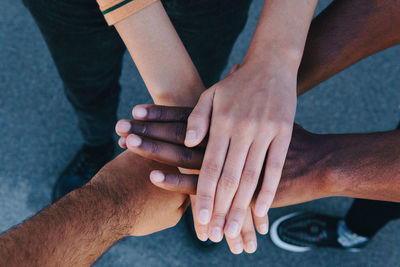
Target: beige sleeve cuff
<point>117,10</point>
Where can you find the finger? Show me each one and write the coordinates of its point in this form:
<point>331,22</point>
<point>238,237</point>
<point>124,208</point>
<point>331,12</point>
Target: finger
<point>173,132</point>
<point>166,153</point>
<point>201,230</point>
<point>235,244</point>
<point>161,113</point>
<point>122,142</point>
<point>177,182</point>
<point>209,174</point>
<point>226,189</point>
<point>248,183</point>
<point>261,223</point>
<point>273,171</point>
<point>249,234</point>
<point>199,120</point>
<point>123,128</point>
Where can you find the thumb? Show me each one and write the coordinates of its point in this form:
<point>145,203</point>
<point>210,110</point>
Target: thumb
<point>199,120</point>
<point>181,183</point>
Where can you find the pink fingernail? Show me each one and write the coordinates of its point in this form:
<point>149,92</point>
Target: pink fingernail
<point>140,112</point>
<point>134,140</point>
<point>263,229</point>
<point>260,210</point>
<point>123,126</point>
<point>204,216</point>
<point>157,176</point>
<point>233,229</point>
<point>203,237</point>
<point>251,247</point>
<point>190,136</point>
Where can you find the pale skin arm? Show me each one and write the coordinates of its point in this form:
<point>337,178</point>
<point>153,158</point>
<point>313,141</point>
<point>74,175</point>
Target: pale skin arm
<point>160,56</point>
<point>173,80</point>
<point>247,114</point>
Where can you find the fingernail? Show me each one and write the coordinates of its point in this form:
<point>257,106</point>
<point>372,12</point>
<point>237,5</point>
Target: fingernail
<point>203,237</point>
<point>134,140</point>
<point>238,248</point>
<point>216,234</point>
<point>140,112</point>
<point>190,136</point>
<point>233,229</point>
<point>260,210</point>
<point>122,142</point>
<point>251,247</point>
<point>263,229</point>
<point>157,176</point>
<point>204,216</point>
<point>123,126</point>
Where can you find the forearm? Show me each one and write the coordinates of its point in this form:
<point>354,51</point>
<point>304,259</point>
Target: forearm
<point>281,33</point>
<point>344,33</point>
<point>365,165</point>
<point>161,57</point>
<point>73,232</point>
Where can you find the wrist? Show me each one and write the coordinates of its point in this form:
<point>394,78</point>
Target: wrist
<point>275,56</point>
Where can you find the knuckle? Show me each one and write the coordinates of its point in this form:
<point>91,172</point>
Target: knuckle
<point>250,176</point>
<point>265,194</point>
<point>211,169</point>
<point>180,131</point>
<point>195,116</point>
<point>140,128</point>
<point>153,148</point>
<point>275,165</point>
<point>219,216</point>
<point>229,181</point>
<point>184,155</point>
<point>205,198</point>
<point>239,211</point>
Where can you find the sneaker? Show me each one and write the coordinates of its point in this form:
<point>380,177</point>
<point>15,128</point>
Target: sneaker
<point>86,163</point>
<point>301,232</point>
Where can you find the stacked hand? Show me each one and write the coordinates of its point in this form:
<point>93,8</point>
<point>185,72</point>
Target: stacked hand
<point>159,133</point>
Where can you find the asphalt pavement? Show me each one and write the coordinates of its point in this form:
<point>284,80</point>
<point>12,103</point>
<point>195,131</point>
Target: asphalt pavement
<point>39,135</point>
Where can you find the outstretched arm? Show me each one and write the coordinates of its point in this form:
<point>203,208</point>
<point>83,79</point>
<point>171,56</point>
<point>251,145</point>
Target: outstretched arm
<point>75,231</point>
<point>317,166</point>
<point>345,33</point>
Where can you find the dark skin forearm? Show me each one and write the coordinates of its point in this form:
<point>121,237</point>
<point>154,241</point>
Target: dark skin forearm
<point>367,165</point>
<point>344,33</point>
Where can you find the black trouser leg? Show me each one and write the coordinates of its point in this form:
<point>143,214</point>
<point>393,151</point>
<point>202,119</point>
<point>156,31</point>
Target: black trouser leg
<point>88,56</point>
<point>367,217</point>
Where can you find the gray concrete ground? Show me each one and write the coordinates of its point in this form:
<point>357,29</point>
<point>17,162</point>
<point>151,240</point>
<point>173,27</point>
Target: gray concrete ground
<point>39,136</point>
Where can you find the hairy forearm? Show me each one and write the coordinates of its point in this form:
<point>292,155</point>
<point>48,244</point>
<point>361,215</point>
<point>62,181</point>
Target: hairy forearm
<point>161,57</point>
<point>344,33</point>
<point>365,165</point>
<point>73,232</point>
<point>281,32</point>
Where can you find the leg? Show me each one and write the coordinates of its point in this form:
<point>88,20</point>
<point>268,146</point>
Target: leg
<point>88,56</point>
<point>367,217</point>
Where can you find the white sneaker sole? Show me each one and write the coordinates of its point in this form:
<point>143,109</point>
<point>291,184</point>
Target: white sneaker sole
<point>278,242</point>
